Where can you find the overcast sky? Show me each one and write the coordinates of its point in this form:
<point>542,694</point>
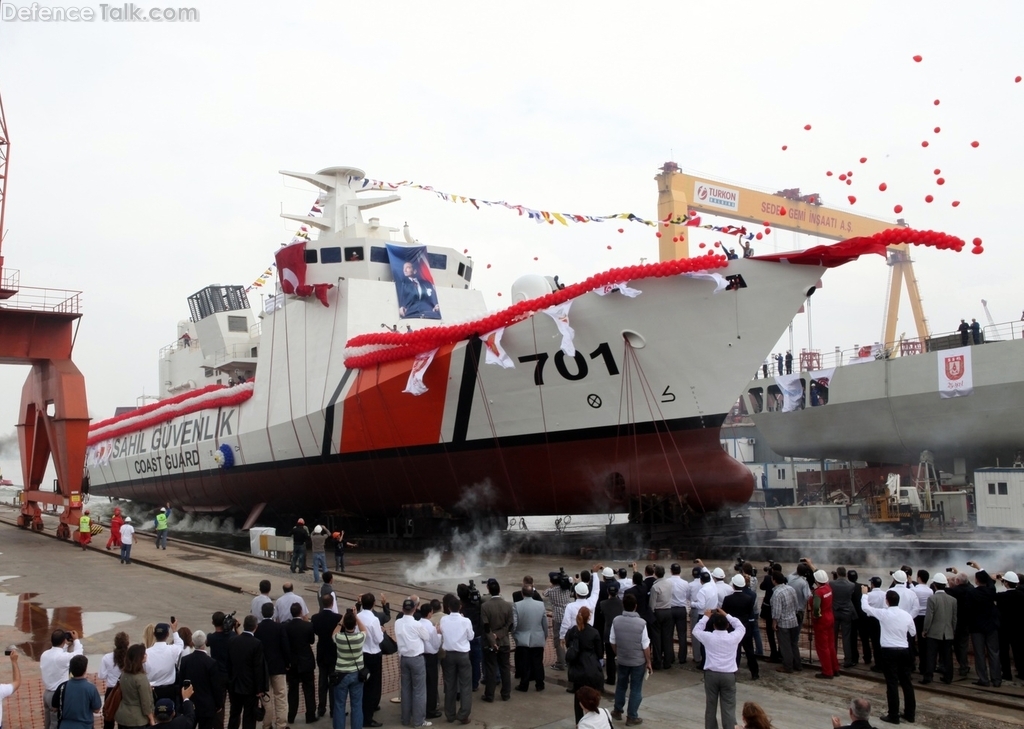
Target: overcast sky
<point>145,156</point>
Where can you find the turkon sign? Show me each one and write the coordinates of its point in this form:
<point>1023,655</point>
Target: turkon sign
<point>704,193</point>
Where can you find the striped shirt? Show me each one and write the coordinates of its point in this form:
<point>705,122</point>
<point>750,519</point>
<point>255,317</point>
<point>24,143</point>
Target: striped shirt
<point>350,651</point>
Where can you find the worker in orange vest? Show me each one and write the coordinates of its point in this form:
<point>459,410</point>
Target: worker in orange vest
<point>116,522</point>
<point>85,529</point>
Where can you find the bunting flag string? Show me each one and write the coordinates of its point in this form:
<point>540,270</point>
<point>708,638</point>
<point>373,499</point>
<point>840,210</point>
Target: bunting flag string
<point>545,216</point>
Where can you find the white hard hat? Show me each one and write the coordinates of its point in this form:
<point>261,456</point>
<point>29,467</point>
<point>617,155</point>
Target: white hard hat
<point>318,530</point>
<point>127,520</point>
<point>1012,577</point>
<point>718,574</point>
<point>582,589</point>
<point>738,582</point>
<point>821,577</point>
<point>608,572</point>
<point>940,579</point>
<point>900,576</point>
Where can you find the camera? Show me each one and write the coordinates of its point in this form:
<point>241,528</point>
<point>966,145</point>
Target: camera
<point>474,594</point>
<point>564,581</point>
<point>738,567</point>
<point>9,651</point>
<point>230,622</point>
<point>186,683</point>
<point>949,569</point>
<point>768,567</point>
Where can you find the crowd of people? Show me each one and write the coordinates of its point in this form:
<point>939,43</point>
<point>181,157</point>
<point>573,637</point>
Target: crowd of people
<point>608,627</point>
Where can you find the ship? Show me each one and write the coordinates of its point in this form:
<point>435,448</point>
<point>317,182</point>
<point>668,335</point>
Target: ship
<point>957,403</point>
<point>598,396</point>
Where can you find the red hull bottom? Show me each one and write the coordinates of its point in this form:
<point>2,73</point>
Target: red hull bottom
<point>578,476</point>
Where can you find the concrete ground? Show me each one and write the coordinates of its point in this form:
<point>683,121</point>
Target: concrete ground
<point>47,584</point>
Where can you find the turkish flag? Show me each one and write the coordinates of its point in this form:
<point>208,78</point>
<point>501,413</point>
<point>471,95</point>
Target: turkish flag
<point>291,266</point>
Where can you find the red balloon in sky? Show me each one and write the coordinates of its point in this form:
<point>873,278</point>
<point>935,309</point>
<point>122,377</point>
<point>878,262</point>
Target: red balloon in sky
<point>767,231</point>
<point>897,209</point>
<point>955,203</point>
<point>807,127</point>
<point>974,144</point>
<point>940,181</point>
<point>766,223</point>
<point>883,187</point>
<point>936,102</point>
<point>658,234</point>
<point>488,265</point>
<point>499,293</point>
<point>702,245</point>
<point>937,130</point>
<point>718,243</point>
<point>784,147</point>
<point>609,247</point>
<point>1017,80</point>
<point>851,198</point>
<point>849,181</point>
<point>759,236</point>
<point>828,174</point>
<point>842,177</point>
<point>535,258</point>
<point>917,59</point>
<point>976,241</point>
<point>928,198</point>
<point>937,171</point>
<point>620,230</point>
<point>465,250</point>
<point>977,250</point>
<point>675,239</point>
<point>924,143</point>
<point>863,160</point>
<point>849,174</point>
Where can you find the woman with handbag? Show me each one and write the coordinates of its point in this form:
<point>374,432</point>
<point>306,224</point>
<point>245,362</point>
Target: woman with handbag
<point>110,673</point>
<point>137,708</point>
<point>584,649</point>
<point>349,671</point>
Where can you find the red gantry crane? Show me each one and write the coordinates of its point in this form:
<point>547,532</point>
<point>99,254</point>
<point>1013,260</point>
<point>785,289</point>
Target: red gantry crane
<point>37,328</point>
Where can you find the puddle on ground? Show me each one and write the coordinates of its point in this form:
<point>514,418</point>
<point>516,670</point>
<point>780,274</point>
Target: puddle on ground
<point>22,612</point>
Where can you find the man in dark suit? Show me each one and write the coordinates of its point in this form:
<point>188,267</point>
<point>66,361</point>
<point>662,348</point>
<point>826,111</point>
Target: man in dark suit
<point>607,611</point>
<point>740,604</point>
<point>417,298</point>
<point>207,682</point>
<point>301,665</point>
<point>275,650</point>
<point>324,623</point>
<point>247,676</point>
<point>860,713</point>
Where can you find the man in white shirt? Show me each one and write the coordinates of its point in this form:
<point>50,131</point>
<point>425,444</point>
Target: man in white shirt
<point>896,625</point>
<point>707,599</point>
<point>456,633</point>
<point>8,689</point>
<point>413,637</point>
<point>722,587</point>
<point>256,607</point>
<point>127,539</point>
<point>54,666</point>
<point>584,596</point>
<point>162,661</point>
<point>372,658</point>
<point>283,604</point>
<point>923,591</point>
<point>680,605</point>
<point>720,644</point>
<point>908,600</point>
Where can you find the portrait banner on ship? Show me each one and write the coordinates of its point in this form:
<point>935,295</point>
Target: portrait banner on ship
<point>414,284</point>
<point>955,376</point>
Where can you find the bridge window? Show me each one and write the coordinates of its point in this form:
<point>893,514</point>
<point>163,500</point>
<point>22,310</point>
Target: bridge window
<point>330,255</point>
<point>310,255</point>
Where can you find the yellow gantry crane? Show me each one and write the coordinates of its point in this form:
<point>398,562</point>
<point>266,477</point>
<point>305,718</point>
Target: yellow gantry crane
<point>680,193</point>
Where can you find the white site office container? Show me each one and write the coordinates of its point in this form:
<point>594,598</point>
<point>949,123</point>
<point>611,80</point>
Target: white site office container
<point>999,497</point>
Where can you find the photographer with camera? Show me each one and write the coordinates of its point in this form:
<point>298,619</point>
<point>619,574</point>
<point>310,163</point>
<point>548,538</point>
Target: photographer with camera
<point>54,665</point>
<point>469,602</point>
<point>556,598</point>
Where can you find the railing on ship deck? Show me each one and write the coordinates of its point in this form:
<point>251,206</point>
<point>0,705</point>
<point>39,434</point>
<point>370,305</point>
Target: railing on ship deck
<point>816,360</point>
<point>31,298</point>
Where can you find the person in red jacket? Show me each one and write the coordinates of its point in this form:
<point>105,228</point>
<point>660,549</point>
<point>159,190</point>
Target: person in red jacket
<point>824,626</point>
<point>116,522</point>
